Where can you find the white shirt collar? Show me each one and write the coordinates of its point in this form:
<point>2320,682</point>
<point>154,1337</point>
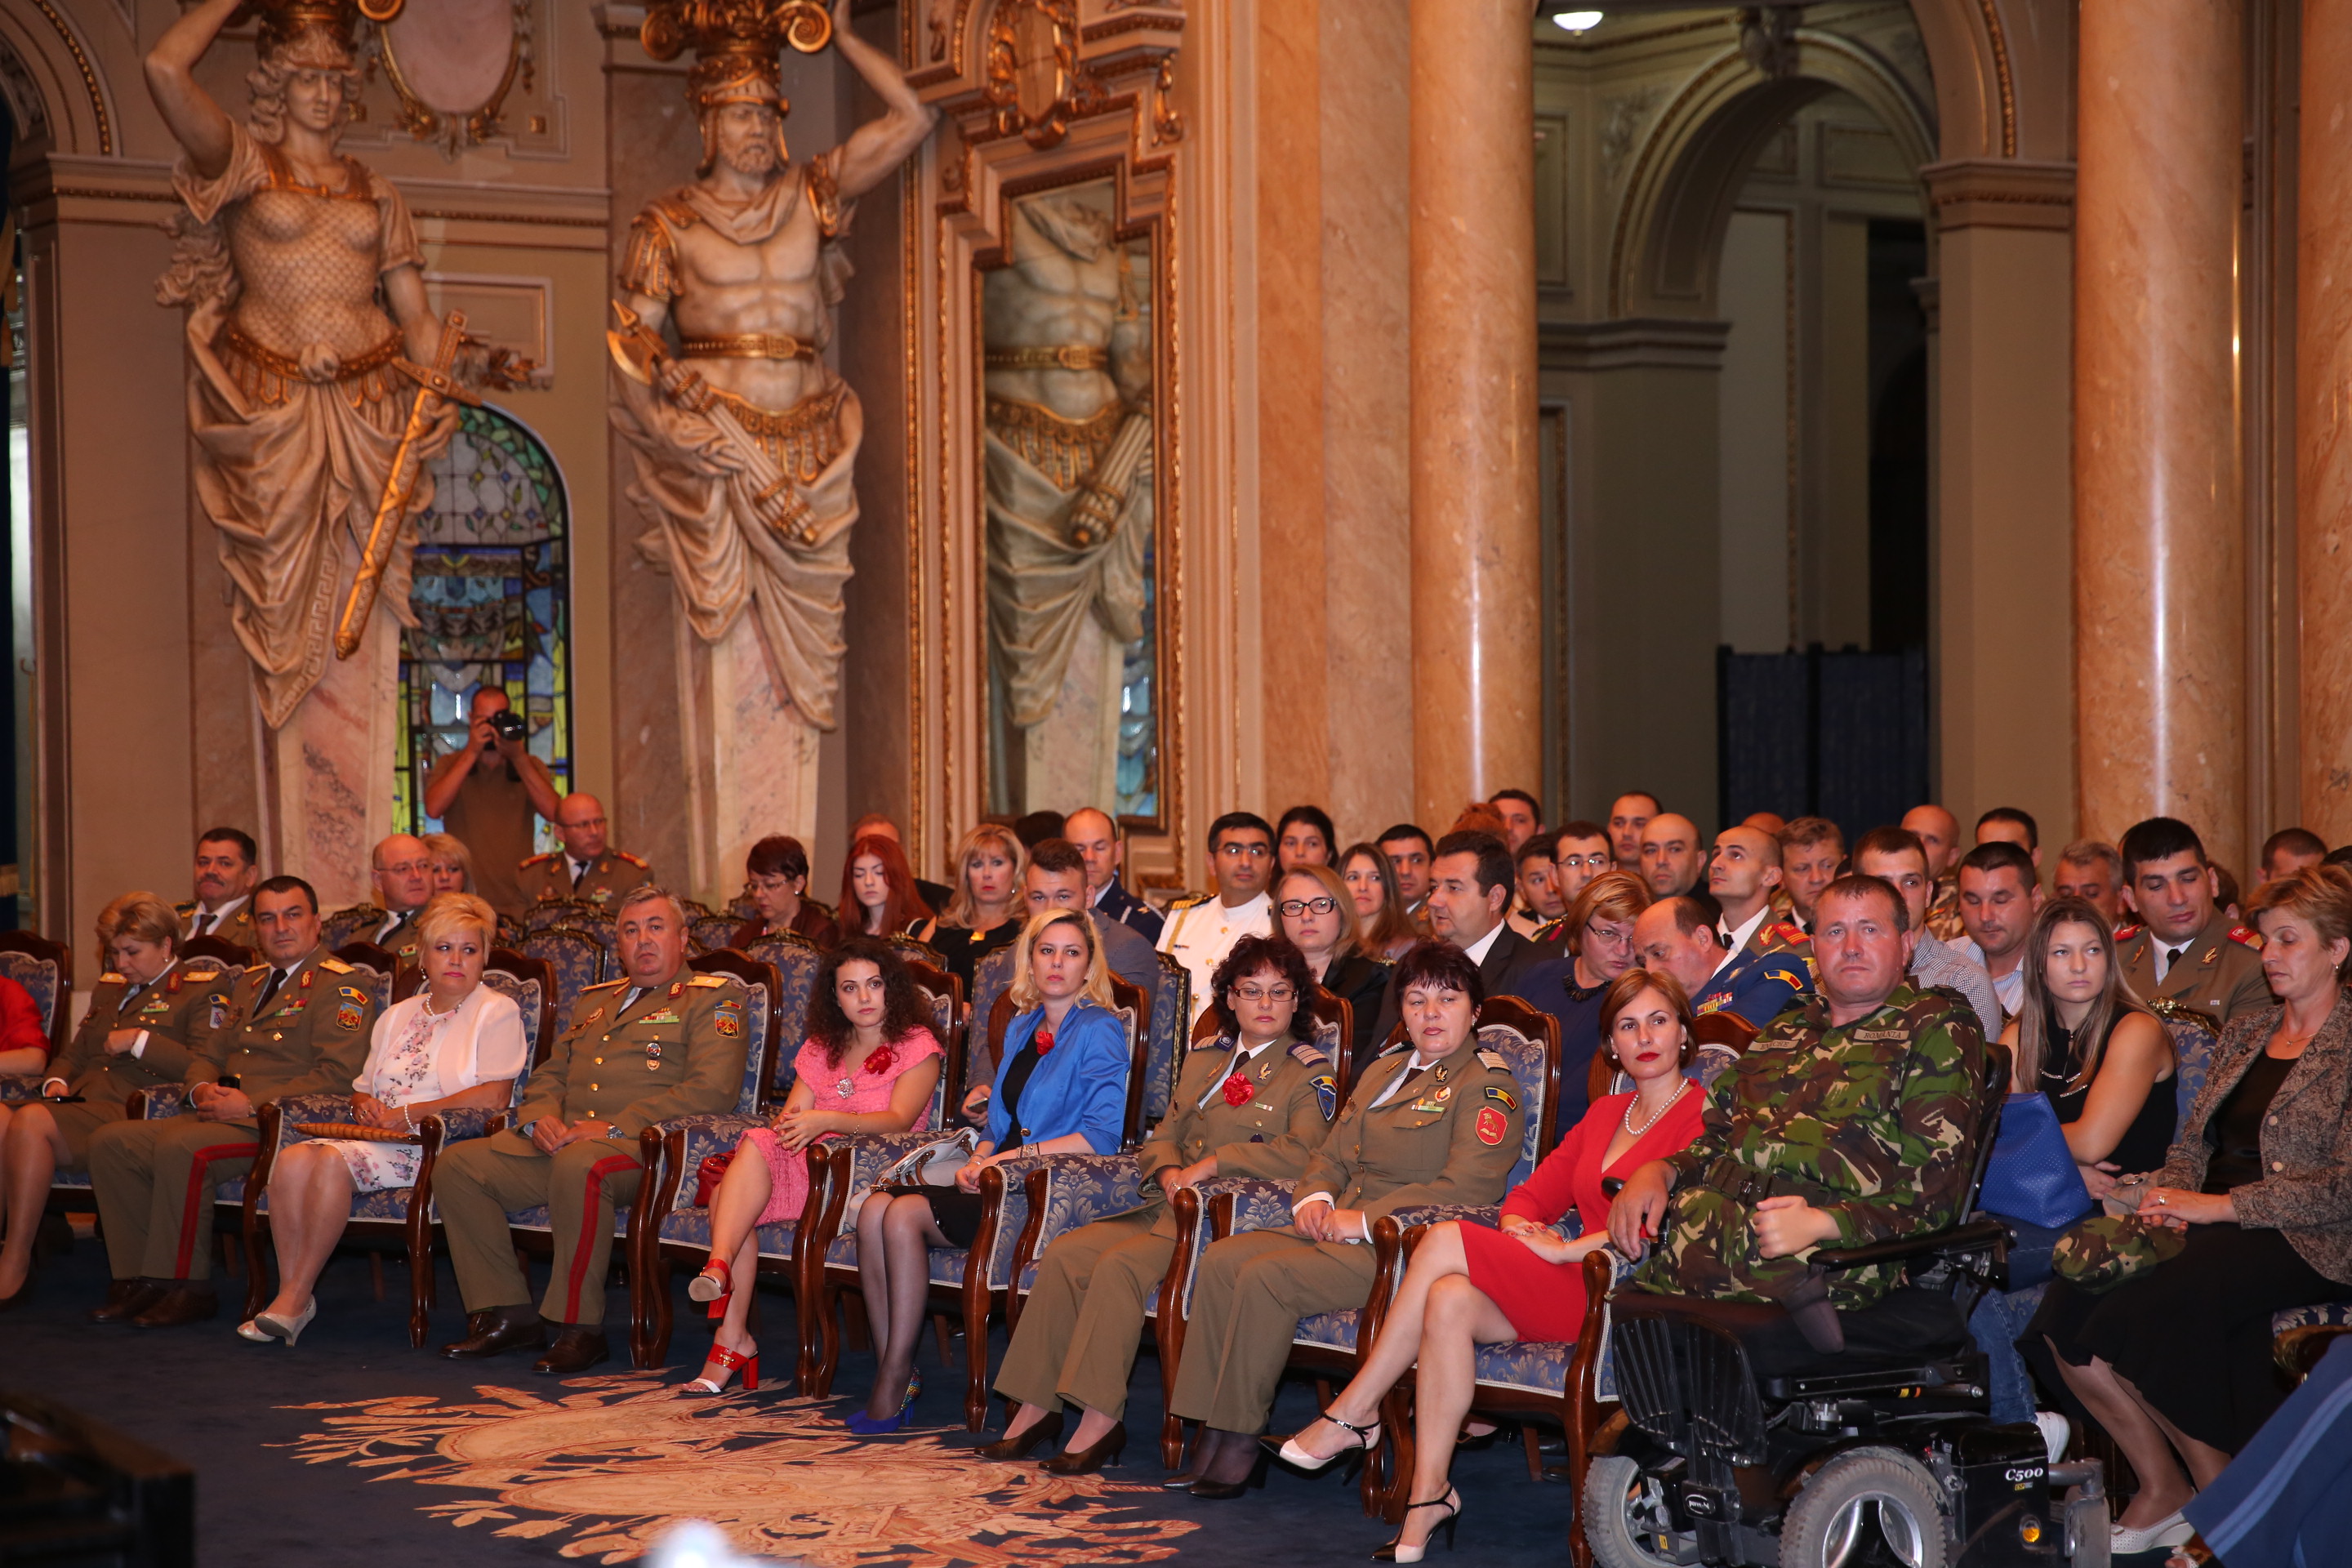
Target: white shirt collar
<point>1741,933</point>
<point>1477,951</point>
<point>1257,908</point>
<point>223,913</point>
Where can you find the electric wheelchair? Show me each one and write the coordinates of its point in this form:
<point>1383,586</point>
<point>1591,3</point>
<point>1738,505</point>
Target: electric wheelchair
<point>1743,1445</point>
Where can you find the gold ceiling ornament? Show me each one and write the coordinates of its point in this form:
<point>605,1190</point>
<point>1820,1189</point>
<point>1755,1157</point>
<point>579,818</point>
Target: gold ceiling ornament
<point>288,25</point>
<point>735,44</point>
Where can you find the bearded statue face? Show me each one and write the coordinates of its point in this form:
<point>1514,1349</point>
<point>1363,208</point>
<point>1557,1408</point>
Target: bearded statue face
<point>749,138</point>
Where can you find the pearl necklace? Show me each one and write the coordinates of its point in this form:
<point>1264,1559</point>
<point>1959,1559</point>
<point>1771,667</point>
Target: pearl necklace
<point>1669,1105</point>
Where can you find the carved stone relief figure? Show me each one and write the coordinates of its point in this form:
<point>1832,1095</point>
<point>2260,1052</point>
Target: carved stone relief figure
<point>301,392</point>
<point>1067,363</point>
<point>743,440</point>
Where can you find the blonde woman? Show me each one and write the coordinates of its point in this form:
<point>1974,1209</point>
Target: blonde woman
<point>985,913</point>
<point>453,863</point>
<point>1318,916</point>
<point>1061,1089</point>
<point>455,1044</point>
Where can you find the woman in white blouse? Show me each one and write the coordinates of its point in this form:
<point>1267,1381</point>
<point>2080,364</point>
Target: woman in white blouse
<point>455,1044</point>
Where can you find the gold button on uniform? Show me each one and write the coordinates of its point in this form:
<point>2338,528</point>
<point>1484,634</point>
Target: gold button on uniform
<point>591,1086</point>
<point>600,1061</point>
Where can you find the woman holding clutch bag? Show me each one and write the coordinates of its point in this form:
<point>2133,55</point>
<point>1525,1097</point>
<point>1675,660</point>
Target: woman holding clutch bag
<point>456,1044</point>
<point>1060,1088</point>
<point>869,1066</point>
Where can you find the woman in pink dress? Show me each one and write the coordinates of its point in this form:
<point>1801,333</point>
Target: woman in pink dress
<point>869,1066</point>
<point>1468,1285</point>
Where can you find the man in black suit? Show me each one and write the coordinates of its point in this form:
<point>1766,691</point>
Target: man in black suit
<point>1470,886</point>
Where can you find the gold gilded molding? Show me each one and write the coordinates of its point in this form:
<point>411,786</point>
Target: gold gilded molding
<point>455,130</point>
<point>1999,39</point>
<point>89,74</point>
<point>1167,122</point>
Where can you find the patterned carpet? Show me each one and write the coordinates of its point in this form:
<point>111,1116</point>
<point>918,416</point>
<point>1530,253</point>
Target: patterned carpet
<point>354,1449</point>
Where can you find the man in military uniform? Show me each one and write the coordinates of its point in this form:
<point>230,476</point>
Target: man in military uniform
<point>587,867</point>
<point>401,871</point>
<point>1769,964</point>
<point>1097,838</point>
<point>1436,1119</point>
<point>1199,933</point>
<point>664,1043</point>
<point>1252,1102</point>
<point>2184,947</point>
<point>297,1023</point>
<point>228,866</point>
<point>1850,1120</point>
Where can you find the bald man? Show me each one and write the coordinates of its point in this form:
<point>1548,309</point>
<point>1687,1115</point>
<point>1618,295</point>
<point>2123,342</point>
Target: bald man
<point>587,867</point>
<point>1769,964</point>
<point>1099,839</point>
<point>1939,834</point>
<point>401,873</point>
<point>1671,857</point>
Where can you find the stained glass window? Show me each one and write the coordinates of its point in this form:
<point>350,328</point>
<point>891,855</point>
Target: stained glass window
<point>492,594</point>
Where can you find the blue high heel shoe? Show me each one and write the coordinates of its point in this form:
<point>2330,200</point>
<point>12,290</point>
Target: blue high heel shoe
<point>866,1426</point>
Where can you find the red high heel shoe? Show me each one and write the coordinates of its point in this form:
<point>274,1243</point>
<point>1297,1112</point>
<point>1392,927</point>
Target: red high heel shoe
<point>715,1284</point>
<point>728,1363</point>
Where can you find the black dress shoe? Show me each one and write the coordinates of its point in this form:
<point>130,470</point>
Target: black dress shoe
<point>1199,1455</point>
<point>576,1349</point>
<point>1239,1465</point>
<point>498,1330</point>
<point>24,1294</point>
<point>1045,1430</point>
<point>125,1299</point>
<point>1088,1460</point>
<point>182,1302</point>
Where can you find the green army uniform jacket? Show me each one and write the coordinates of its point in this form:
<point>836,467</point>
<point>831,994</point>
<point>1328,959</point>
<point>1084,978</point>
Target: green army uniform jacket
<point>1873,1121</point>
<point>179,1011</point>
<point>1449,1137</point>
<point>311,1037</point>
<point>237,926</point>
<point>613,873</point>
<point>1262,1120</point>
<point>676,1049</point>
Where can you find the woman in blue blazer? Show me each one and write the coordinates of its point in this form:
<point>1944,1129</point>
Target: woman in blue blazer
<point>1061,1089</point>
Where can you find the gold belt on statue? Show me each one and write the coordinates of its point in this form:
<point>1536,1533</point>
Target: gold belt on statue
<point>1048,356</point>
<point>802,439</point>
<point>749,345</point>
<point>1065,450</point>
<point>263,373</point>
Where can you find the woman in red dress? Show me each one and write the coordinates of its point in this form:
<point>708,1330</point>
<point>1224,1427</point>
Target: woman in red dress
<point>1468,1285</point>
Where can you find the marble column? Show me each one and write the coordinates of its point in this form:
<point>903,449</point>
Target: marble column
<point>2322,416</point>
<point>2159,555</point>
<point>1477,688</point>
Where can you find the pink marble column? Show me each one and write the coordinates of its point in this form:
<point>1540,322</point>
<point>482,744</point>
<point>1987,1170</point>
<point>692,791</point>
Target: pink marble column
<point>1478,689</point>
<point>2323,416</point>
<point>2159,560</point>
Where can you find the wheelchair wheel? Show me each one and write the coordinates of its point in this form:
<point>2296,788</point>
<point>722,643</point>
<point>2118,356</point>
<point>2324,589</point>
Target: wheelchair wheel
<point>1625,1519</point>
<point>1870,1508</point>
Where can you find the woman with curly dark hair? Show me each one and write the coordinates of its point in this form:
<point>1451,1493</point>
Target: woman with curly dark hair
<point>869,1065</point>
<point>1254,1102</point>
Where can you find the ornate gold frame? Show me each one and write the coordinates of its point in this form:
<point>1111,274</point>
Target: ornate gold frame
<point>1109,116</point>
<point>453,131</point>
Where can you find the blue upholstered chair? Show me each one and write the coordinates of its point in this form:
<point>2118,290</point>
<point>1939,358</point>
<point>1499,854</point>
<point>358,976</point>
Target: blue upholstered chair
<point>708,934</point>
<point>533,1228</point>
<point>991,978</point>
<point>402,1213</point>
<point>348,925</point>
<point>44,969</point>
<point>672,1232</point>
<point>551,912</point>
<point>1172,1006</point>
<point>577,962</point>
<point>979,1282</point>
<point>795,960</point>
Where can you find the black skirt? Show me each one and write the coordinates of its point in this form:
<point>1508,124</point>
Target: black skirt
<point>956,1212</point>
<point>2193,1335</point>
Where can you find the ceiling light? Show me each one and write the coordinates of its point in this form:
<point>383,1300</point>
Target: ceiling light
<point>1576,21</point>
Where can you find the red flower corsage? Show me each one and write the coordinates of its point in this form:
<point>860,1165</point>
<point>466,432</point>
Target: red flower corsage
<point>1044,1041</point>
<point>878,1062</point>
<point>1238,1090</point>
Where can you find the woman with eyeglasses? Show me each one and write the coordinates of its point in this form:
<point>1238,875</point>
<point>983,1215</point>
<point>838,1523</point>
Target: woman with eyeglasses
<point>1303,838</point>
<point>1317,914</point>
<point>1254,1102</point>
<point>1600,933</point>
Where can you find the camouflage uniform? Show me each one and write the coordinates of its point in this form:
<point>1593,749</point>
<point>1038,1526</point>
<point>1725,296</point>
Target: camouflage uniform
<point>1873,1123</point>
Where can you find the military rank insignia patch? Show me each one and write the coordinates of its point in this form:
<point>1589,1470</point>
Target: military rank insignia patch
<point>662,1015</point>
<point>348,1013</point>
<point>728,1016</point>
<point>1492,1125</point>
<point>1492,1059</point>
<point>1327,1094</point>
<point>353,993</point>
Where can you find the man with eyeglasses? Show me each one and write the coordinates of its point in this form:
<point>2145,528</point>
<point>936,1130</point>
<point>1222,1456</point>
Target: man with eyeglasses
<point>401,871</point>
<point>587,867</point>
<point>1055,878</point>
<point>1199,933</point>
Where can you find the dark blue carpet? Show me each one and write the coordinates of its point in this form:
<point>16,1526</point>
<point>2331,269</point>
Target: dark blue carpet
<point>428,1481</point>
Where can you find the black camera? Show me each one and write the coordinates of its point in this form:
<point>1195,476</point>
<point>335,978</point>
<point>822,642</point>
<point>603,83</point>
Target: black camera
<point>509,724</point>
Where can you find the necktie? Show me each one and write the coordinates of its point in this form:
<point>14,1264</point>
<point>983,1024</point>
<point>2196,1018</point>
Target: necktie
<point>204,924</point>
<point>2171,956</point>
<point>579,870</point>
<point>269,988</point>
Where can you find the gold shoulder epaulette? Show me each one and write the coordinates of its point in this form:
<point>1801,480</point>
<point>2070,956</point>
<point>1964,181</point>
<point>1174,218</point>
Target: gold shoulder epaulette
<point>112,978</point>
<point>2245,938</point>
<point>1307,1053</point>
<point>1494,1059</point>
<point>638,861</point>
<point>256,969</point>
<point>607,985</point>
<point>335,965</point>
<point>187,908</point>
<point>710,980</point>
<point>534,860</point>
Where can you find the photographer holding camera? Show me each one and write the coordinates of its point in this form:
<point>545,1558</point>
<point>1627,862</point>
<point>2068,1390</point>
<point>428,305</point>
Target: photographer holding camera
<point>485,794</point>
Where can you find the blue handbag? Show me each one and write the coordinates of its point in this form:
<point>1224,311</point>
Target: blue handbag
<point>2032,1176</point>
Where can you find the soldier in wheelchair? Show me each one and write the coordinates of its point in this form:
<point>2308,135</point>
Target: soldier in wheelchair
<point>1792,1353</point>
